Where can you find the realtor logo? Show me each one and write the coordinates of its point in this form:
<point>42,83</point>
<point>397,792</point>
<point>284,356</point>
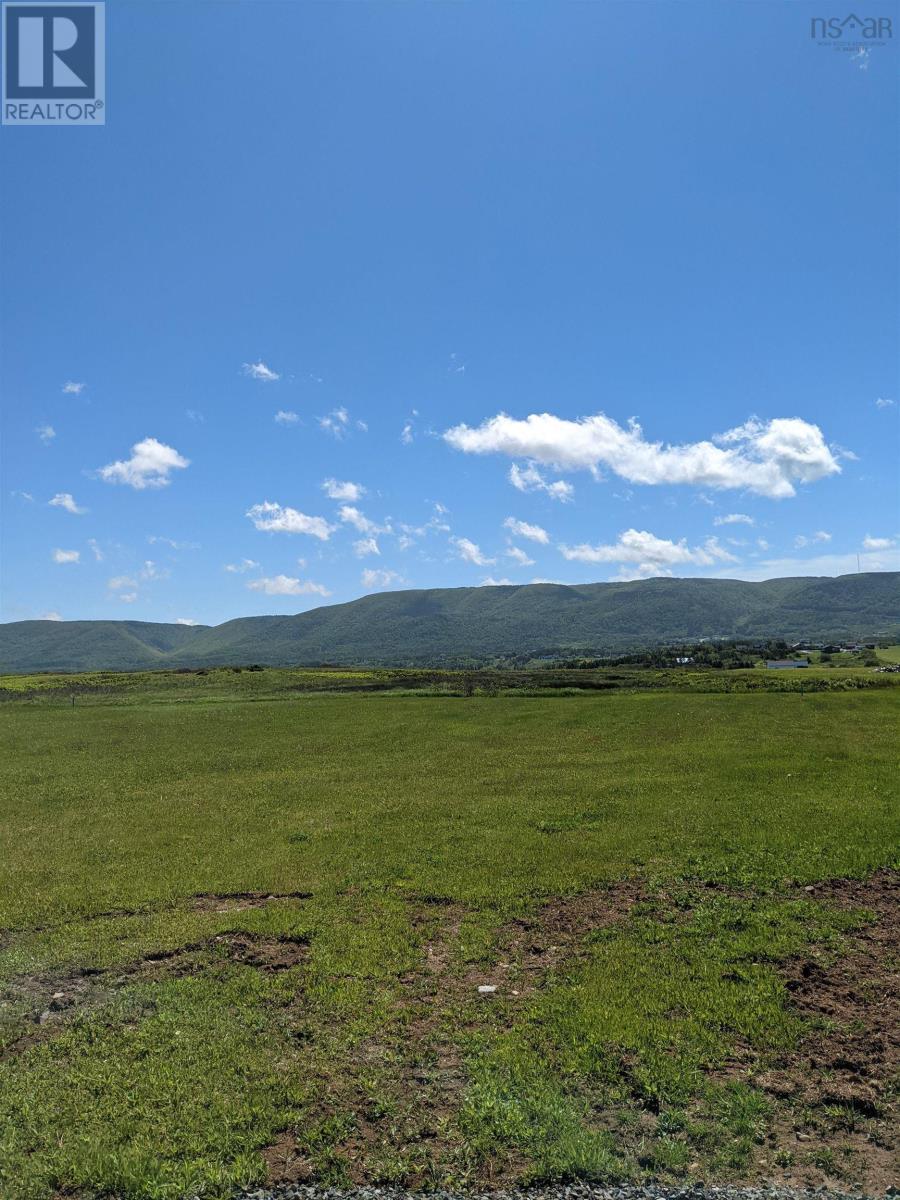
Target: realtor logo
<point>54,64</point>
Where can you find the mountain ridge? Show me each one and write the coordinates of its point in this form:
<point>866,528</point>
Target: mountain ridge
<point>448,626</point>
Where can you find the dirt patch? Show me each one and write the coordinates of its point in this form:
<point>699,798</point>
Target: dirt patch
<point>47,1002</point>
<point>534,945</point>
<point>418,1060</point>
<point>231,902</point>
<point>836,1092</point>
<point>222,902</point>
<point>283,1162</point>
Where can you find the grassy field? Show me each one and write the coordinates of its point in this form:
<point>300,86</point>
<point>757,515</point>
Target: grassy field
<point>243,939</point>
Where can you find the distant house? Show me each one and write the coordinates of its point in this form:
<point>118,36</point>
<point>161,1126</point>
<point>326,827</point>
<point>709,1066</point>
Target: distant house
<point>684,660</point>
<point>778,664</point>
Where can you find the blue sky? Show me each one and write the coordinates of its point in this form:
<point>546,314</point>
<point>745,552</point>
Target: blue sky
<point>546,291</point>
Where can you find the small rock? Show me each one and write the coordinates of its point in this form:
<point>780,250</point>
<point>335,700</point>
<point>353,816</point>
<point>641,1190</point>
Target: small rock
<point>44,1017</point>
<point>487,989</point>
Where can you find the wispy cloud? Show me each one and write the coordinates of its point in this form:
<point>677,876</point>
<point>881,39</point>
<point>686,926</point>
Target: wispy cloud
<point>66,500</point>
<point>884,402</point>
<point>338,423</point>
<point>823,564</point>
<point>95,549</point>
<point>365,546</point>
<point>118,582</point>
<point>259,370</point>
<point>490,581</point>
<point>767,457</point>
<point>274,518</point>
<point>241,568</point>
<point>66,556</point>
<point>286,417</point>
<point>128,597</point>
<point>406,434</point>
<point>155,538</point>
<point>46,433</point>
<point>50,616</point>
<point>821,535</point>
<point>530,479</point>
<point>534,533</point>
<point>186,621</point>
<point>343,489</point>
<point>734,519</point>
<point>519,556</point>
<point>150,466</point>
<point>380,578</point>
<point>470,552</point>
<point>71,388</point>
<point>285,585</point>
<point>351,515</point>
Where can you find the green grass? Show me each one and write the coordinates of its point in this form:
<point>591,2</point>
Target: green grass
<point>169,1077</point>
<point>889,654</point>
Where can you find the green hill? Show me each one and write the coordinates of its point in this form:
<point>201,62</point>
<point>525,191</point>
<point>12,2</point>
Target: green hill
<point>455,625</point>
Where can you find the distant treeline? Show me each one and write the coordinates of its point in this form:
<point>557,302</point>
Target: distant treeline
<point>732,655</point>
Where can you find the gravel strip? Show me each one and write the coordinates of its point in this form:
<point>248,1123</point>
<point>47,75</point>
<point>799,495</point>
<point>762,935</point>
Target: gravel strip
<point>573,1191</point>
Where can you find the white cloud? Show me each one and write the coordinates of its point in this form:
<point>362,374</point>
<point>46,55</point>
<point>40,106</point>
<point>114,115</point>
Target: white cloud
<point>820,535</point>
<point>151,571</point>
<point>734,519</point>
<point>530,479</point>
<point>26,496</point>
<point>128,597</point>
<point>186,621</point>
<point>375,578</point>
<point>155,538</point>
<point>286,417</point>
<point>240,568</point>
<point>877,543</point>
<point>65,500</point>
<point>259,370</point>
<point>471,553</point>
<point>150,465</point>
<point>436,524</point>
<point>46,433</point>
<point>351,515</point>
<point>823,564</point>
<point>285,585</point>
<point>769,458</point>
<point>95,548</point>
<point>121,581</point>
<point>884,402</point>
<point>491,582</point>
<point>338,489</point>
<point>66,556</point>
<point>762,543</point>
<point>534,533</point>
<point>365,546</point>
<point>649,554</point>
<point>273,518</point>
<point>50,616</point>
<point>337,423</point>
<point>519,556</point>
<point>406,433</point>
<point>73,389</point>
